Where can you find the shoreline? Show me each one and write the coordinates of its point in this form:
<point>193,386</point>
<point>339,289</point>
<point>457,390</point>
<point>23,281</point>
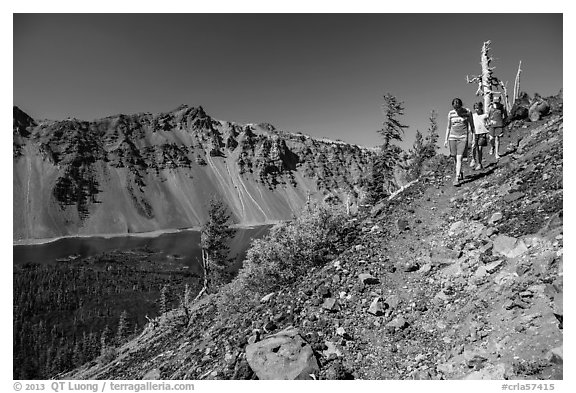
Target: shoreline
<point>150,234</point>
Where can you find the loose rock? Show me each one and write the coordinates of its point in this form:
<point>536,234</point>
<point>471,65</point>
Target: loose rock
<point>330,304</point>
<point>495,218</point>
<point>555,355</point>
<point>508,246</point>
<point>392,301</point>
<point>368,279</point>
<point>376,307</point>
<point>266,298</point>
<point>402,225</point>
<point>493,266</point>
<point>153,374</point>
<point>282,356</point>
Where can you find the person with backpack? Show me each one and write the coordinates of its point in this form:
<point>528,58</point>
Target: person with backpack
<point>460,123</point>
<point>496,119</point>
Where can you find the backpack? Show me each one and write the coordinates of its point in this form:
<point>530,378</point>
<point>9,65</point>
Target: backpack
<point>497,115</point>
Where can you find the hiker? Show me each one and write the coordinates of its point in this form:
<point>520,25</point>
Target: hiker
<point>480,135</point>
<point>459,124</point>
<point>496,118</point>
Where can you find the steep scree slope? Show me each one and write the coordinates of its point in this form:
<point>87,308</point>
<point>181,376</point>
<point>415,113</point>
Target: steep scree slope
<point>146,172</point>
<point>465,283</point>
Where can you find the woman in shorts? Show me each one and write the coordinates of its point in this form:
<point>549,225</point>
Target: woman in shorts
<point>460,123</point>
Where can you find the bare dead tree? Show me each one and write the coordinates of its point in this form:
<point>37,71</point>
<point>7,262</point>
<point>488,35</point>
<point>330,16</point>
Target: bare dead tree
<point>516,93</point>
<point>506,99</point>
<point>152,322</point>
<point>185,304</point>
<point>487,82</point>
<point>206,270</point>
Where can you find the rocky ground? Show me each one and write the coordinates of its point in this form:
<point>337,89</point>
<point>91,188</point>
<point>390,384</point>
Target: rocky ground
<point>445,283</point>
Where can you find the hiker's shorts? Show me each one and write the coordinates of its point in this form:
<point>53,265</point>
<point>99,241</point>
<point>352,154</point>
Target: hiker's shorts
<point>497,131</point>
<point>481,140</point>
<point>457,146</point>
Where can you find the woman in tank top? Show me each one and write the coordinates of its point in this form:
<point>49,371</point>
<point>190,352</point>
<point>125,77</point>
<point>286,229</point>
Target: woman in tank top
<point>460,123</point>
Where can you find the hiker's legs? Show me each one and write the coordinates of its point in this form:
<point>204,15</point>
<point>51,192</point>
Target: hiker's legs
<point>458,165</point>
<point>476,150</point>
<point>474,156</point>
<point>457,152</point>
<point>497,146</point>
<point>491,136</point>
<point>479,154</point>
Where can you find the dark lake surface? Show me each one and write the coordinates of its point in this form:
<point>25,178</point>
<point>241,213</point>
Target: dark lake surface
<point>183,245</point>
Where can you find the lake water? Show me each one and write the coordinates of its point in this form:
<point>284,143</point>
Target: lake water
<point>183,245</point>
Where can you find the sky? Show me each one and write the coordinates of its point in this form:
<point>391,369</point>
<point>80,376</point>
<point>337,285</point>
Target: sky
<point>320,74</point>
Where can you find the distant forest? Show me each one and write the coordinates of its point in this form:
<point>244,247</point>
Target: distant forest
<point>69,313</point>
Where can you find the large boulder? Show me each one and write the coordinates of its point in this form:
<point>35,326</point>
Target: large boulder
<point>520,107</point>
<point>538,109</point>
<point>284,355</point>
<point>518,113</point>
<point>556,102</point>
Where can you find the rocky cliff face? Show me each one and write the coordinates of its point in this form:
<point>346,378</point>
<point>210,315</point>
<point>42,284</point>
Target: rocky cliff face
<point>144,172</point>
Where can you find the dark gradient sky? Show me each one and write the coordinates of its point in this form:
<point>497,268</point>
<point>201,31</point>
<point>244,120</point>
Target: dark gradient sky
<point>321,74</point>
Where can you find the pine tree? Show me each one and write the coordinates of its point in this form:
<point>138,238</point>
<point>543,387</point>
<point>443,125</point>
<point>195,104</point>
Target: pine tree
<point>392,129</point>
<point>122,327</point>
<point>49,362</point>
<point>164,292</point>
<point>382,181</point>
<point>431,145</point>
<point>95,346</point>
<point>375,185</point>
<point>214,238</point>
<point>78,354</point>
<point>417,157</point>
<point>86,347</point>
<point>105,339</point>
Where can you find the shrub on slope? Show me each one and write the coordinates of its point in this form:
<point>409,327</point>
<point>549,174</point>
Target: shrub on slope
<point>289,251</point>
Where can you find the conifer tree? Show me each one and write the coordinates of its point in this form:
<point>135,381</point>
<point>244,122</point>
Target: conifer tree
<point>164,292</point>
<point>122,327</point>
<point>432,136</point>
<point>392,129</point>
<point>214,238</point>
<point>382,172</point>
<point>48,363</point>
<point>86,346</point>
<point>78,354</point>
<point>374,185</point>
<point>105,339</point>
<point>417,156</point>
<point>94,346</point>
